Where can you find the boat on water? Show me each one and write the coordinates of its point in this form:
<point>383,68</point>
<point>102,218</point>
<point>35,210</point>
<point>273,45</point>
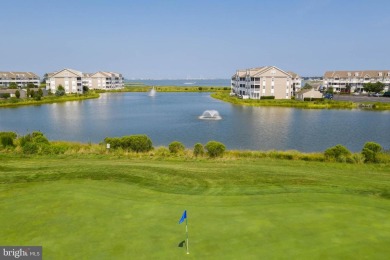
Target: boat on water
<point>189,83</point>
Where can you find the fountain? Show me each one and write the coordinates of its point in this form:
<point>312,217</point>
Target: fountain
<point>152,92</point>
<point>210,115</point>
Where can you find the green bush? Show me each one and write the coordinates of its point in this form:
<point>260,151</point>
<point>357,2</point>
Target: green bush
<point>5,95</point>
<point>30,148</point>
<point>338,153</point>
<point>313,99</point>
<point>200,88</point>
<point>13,135</point>
<point>135,143</point>
<point>267,97</point>
<point>215,149</point>
<point>198,150</point>
<point>140,143</point>
<point>6,141</point>
<point>162,151</point>
<point>371,151</point>
<point>176,147</point>
<point>114,142</point>
<point>35,142</point>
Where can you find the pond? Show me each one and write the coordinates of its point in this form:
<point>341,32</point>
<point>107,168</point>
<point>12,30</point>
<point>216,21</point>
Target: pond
<point>168,117</point>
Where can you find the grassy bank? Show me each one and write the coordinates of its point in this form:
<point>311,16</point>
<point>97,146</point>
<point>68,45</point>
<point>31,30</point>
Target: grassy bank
<point>102,207</point>
<point>12,102</point>
<point>326,104</point>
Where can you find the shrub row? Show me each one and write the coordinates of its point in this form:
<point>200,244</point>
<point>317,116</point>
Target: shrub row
<point>267,97</point>
<point>37,143</point>
<point>313,99</point>
<point>370,153</point>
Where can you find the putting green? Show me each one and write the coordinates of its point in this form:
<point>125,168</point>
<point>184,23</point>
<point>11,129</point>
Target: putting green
<point>100,219</point>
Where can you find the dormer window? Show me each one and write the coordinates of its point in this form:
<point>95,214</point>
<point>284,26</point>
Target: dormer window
<point>349,74</point>
<point>380,74</point>
<point>366,78</point>
<point>356,74</point>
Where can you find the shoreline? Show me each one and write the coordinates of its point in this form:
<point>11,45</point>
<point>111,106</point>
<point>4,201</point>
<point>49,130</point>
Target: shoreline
<point>326,104</point>
<point>217,92</point>
<point>48,100</point>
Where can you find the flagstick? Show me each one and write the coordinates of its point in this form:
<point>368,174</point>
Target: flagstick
<point>187,233</point>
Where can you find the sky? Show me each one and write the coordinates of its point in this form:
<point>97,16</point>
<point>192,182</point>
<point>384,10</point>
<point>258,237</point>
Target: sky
<point>169,39</point>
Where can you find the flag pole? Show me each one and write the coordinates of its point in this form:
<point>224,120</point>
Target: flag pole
<point>187,232</point>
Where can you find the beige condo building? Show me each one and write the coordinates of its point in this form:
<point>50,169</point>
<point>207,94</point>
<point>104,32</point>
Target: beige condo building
<point>73,80</point>
<point>255,83</point>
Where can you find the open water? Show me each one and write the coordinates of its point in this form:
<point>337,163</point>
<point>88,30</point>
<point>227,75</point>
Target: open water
<point>167,117</point>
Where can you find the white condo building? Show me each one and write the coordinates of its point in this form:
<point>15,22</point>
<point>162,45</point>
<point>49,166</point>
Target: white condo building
<point>355,79</point>
<point>20,78</point>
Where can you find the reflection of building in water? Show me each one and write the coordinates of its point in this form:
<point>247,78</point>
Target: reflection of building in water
<point>256,83</point>
<point>73,81</point>
<point>264,128</point>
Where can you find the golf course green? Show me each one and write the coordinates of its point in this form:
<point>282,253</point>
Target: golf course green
<point>104,207</point>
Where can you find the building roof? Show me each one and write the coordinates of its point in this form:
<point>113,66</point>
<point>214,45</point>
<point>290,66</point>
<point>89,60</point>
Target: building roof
<point>352,73</point>
<point>18,74</point>
<point>76,72</point>
<point>255,72</point>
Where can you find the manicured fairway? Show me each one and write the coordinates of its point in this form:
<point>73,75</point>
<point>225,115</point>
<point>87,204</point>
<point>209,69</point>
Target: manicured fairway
<point>105,208</point>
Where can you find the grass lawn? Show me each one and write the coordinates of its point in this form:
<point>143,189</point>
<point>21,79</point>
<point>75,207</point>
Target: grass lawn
<point>109,208</point>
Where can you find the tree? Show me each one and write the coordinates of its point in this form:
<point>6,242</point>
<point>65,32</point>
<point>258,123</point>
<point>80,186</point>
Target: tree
<point>348,88</point>
<point>60,91</point>
<point>373,87</point>
<point>370,151</point>
<point>13,85</point>
<point>198,150</point>
<point>44,78</point>
<point>338,153</point>
<point>215,149</point>
<point>30,85</point>
<point>17,94</point>
<point>307,86</point>
<point>32,93</point>
<point>330,90</point>
<point>176,147</point>
<point>28,92</point>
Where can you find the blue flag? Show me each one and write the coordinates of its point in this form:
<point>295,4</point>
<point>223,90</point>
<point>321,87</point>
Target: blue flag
<point>183,217</point>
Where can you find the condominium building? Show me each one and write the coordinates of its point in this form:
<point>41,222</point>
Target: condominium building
<point>70,79</point>
<point>73,80</point>
<point>20,78</point>
<point>255,83</point>
<point>341,81</point>
<point>106,80</point>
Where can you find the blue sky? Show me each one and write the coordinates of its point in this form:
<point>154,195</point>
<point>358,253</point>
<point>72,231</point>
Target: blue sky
<point>192,39</point>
